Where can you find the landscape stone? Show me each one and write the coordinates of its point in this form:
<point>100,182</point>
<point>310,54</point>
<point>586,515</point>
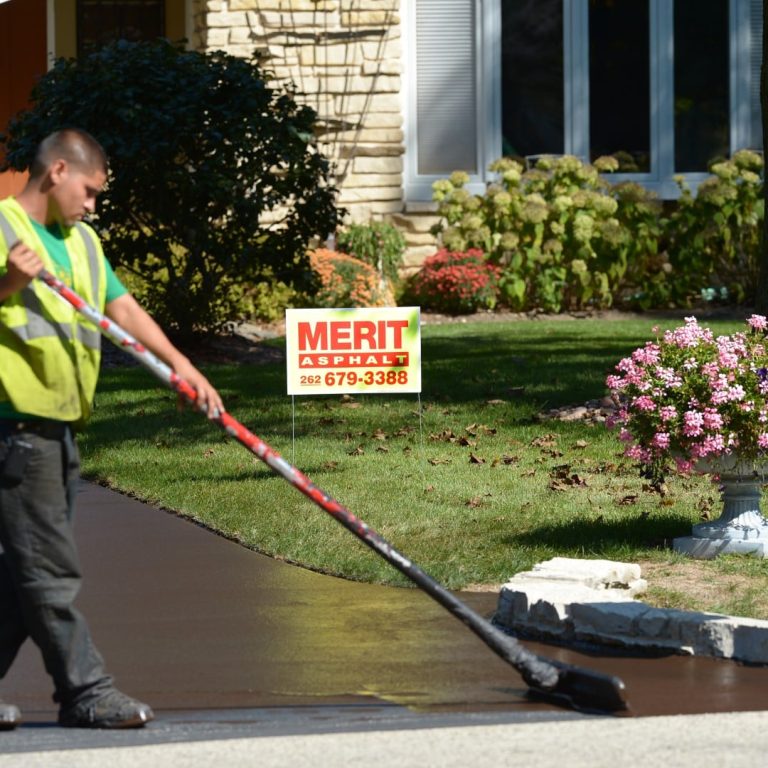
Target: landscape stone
<point>593,601</point>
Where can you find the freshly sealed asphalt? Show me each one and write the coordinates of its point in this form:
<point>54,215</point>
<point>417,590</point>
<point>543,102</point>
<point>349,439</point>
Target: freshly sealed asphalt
<point>228,645</point>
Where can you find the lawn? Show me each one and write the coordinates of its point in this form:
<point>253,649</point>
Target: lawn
<point>466,481</point>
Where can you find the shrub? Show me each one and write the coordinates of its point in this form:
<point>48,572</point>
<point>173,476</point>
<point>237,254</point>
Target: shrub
<point>379,244</point>
<point>566,238</point>
<point>345,281</point>
<point>556,231</point>
<point>265,301</point>
<point>456,282</point>
<point>715,236</point>
<point>215,175</point>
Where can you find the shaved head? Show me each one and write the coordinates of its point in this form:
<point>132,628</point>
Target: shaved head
<point>77,147</point>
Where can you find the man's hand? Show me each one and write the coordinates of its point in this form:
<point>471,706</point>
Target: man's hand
<point>208,399</point>
<point>21,268</point>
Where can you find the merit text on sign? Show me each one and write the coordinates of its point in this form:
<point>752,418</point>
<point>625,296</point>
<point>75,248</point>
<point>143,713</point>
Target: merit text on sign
<point>336,351</point>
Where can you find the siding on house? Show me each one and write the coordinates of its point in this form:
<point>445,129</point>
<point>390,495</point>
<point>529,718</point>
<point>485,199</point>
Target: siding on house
<point>345,60</point>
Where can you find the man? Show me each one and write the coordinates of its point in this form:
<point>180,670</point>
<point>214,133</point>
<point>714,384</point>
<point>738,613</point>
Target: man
<point>49,363</point>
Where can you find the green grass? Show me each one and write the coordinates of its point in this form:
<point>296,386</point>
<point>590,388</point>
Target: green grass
<point>470,491</point>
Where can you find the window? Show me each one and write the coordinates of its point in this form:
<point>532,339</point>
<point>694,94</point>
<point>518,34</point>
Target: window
<point>668,85</point>
<point>532,112</point>
<point>101,21</point>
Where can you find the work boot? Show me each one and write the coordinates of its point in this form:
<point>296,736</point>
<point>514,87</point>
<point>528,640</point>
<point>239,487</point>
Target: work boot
<point>111,709</point>
<point>10,716</point>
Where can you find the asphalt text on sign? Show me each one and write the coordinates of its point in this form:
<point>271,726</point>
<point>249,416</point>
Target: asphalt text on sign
<point>336,351</point>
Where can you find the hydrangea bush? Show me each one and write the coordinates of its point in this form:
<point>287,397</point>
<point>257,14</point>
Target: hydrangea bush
<point>715,235</point>
<point>690,395</point>
<point>565,237</point>
<point>559,232</point>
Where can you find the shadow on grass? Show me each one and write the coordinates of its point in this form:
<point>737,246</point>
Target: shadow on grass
<point>527,366</point>
<point>601,536</point>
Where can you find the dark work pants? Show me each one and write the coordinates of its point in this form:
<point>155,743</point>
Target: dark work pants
<point>40,569</point>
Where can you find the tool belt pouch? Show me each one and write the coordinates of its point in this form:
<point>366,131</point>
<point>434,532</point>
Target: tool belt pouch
<point>14,457</point>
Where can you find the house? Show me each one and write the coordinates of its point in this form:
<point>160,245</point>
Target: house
<point>409,90</point>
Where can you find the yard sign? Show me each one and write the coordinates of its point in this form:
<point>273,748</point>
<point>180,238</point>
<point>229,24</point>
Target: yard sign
<point>335,351</point>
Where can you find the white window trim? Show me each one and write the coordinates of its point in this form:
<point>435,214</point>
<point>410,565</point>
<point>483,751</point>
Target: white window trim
<point>576,93</point>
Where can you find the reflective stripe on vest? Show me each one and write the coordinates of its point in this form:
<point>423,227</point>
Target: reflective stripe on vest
<point>37,325</point>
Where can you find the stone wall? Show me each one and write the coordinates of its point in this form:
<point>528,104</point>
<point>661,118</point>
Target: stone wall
<point>345,59</point>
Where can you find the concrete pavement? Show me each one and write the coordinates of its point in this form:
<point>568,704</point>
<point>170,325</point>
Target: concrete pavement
<point>698,741</point>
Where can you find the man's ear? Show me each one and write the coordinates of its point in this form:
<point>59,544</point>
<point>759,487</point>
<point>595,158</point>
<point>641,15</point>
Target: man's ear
<point>58,170</point>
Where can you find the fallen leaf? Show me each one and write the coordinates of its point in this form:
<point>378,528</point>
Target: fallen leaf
<point>465,441</point>
<point>627,500</point>
<point>545,441</point>
<point>475,501</point>
<point>495,402</point>
<point>476,429</point>
<point>446,435</point>
<point>580,444</point>
<point>359,451</point>
<point>435,462</point>
<point>379,434</point>
<point>429,489</point>
<point>382,449</point>
<point>475,459</point>
<point>208,452</point>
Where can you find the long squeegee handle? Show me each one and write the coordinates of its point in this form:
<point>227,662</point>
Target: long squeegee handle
<point>581,687</point>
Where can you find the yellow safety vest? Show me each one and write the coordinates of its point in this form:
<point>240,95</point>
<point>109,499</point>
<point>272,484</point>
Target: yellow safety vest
<point>49,353</point>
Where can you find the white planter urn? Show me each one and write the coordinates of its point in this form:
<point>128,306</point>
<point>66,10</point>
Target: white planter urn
<point>741,528</point>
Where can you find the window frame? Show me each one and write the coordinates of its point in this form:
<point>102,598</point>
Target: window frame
<point>418,187</point>
<point>661,178</point>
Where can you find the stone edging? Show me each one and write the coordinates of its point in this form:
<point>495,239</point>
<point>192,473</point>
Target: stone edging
<point>592,601</point>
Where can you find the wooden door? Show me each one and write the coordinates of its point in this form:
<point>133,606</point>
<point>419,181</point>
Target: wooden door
<point>22,60</point>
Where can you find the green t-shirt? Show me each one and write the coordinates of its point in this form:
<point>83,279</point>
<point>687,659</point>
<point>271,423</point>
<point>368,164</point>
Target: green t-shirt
<point>52,238</point>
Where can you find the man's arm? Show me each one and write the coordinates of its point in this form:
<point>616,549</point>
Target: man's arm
<point>134,319</point>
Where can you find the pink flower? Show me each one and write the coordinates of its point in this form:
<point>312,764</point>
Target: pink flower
<point>644,403</point>
<point>647,355</point>
<point>692,423</point>
<point>684,466</point>
<point>758,322</point>
<point>667,412</point>
<point>712,419</point>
